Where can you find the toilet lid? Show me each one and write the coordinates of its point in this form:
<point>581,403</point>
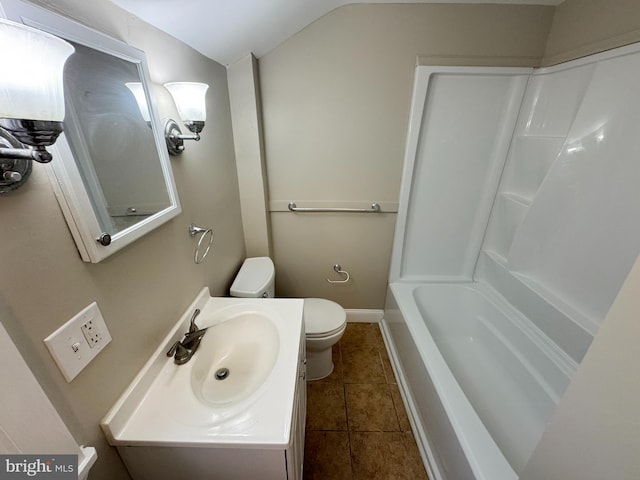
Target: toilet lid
<point>322,316</point>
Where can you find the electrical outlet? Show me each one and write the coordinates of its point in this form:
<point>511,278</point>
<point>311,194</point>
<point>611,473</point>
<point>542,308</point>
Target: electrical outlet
<point>78,341</point>
<point>92,333</point>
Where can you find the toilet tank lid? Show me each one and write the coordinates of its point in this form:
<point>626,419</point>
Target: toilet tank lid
<point>254,277</point>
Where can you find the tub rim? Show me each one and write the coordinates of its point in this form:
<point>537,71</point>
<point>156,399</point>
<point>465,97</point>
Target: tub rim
<point>485,458</point>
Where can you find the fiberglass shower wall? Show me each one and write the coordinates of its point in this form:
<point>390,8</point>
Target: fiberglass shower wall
<point>529,184</point>
<point>564,228</point>
<point>452,168</point>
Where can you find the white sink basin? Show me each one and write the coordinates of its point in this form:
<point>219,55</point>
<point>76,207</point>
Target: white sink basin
<point>235,358</point>
<point>257,340</point>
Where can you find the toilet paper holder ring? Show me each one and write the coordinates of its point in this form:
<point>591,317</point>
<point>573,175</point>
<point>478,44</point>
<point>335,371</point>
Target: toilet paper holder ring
<point>339,270</point>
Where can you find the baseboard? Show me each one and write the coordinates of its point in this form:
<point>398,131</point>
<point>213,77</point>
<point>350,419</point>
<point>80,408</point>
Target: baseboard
<point>356,315</point>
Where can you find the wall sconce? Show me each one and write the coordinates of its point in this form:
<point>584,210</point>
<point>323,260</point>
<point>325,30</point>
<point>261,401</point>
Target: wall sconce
<point>31,99</point>
<point>189,99</point>
<point>138,92</point>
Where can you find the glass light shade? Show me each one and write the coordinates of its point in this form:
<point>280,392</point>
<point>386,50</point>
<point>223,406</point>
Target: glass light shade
<point>32,71</point>
<point>138,92</point>
<point>189,99</point>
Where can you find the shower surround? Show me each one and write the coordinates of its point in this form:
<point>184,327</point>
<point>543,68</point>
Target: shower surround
<point>517,227</point>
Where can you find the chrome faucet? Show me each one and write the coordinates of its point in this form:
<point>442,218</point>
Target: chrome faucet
<point>183,350</point>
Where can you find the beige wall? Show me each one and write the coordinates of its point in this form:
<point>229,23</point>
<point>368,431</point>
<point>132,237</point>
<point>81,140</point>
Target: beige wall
<point>583,27</point>
<point>336,99</point>
<point>141,290</point>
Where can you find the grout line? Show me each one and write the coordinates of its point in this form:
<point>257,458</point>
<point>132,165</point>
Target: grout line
<point>346,411</point>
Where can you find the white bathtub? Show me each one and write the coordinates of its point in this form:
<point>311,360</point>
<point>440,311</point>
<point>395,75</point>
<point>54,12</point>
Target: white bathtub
<point>479,381</point>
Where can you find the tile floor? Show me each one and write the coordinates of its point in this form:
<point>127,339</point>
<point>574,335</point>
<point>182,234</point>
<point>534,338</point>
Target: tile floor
<point>357,427</point>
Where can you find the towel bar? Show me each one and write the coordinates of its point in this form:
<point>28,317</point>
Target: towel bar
<point>375,208</point>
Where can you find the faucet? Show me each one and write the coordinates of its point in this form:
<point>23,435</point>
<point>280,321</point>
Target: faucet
<point>183,350</point>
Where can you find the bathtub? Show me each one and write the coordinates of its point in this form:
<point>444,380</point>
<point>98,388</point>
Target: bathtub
<point>479,381</point>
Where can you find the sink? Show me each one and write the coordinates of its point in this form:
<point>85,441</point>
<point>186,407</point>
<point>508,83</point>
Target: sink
<point>237,389</point>
<point>235,358</point>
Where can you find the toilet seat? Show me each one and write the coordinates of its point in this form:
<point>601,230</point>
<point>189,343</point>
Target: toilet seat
<point>323,318</point>
<point>325,334</point>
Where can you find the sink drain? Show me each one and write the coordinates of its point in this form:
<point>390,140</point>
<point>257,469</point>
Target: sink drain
<point>222,373</point>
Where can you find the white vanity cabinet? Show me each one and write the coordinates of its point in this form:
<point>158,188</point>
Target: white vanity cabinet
<point>295,451</point>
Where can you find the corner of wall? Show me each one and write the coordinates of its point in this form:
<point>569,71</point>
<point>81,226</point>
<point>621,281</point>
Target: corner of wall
<point>582,28</point>
<point>246,117</point>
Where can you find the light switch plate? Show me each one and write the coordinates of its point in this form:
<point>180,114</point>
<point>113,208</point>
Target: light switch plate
<point>78,341</point>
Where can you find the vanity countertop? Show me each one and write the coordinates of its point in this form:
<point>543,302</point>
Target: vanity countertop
<point>163,406</point>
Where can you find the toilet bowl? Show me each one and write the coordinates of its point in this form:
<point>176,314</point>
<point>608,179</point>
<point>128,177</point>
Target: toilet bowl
<point>325,321</point>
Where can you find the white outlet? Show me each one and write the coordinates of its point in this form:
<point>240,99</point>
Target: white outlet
<point>78,341</point>
<point>92,333</point>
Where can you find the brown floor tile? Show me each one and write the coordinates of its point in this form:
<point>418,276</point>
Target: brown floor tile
<point>326,408</point>
<point>358,334</point>
<point>362,364</point>
<point>417,466</point>
<point>403,419</point>
<point>370,408</point>
<point>378,334</point>
<point>386,365</point>
<point>361,394</point>
<point>327,456</point>
<point>381,456</point>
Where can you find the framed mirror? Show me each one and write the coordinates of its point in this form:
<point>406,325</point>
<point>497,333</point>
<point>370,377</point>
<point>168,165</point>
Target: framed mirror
<point>111,172</point>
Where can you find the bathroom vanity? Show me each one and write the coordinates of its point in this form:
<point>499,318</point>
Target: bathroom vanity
<point>184,421</point>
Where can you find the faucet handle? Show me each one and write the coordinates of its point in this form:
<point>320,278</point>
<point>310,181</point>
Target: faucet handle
<point>173,348</point>
<point>180,352</point>
<point>191,336</point>
<point>192,325</point>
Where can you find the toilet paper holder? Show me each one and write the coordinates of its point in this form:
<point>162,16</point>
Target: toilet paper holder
<point>339,270</point>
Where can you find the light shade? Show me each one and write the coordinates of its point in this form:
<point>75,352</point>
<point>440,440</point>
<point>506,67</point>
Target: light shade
<point>189,99</point>
<point>31,74</point>
<point>138,92</point>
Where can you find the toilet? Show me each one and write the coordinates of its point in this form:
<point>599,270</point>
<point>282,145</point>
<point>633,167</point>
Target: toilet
<point>325,321</point>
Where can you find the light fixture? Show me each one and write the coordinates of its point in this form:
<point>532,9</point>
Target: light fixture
<point>141,98</point>
<point>189,99</point>
<point>31,99</point>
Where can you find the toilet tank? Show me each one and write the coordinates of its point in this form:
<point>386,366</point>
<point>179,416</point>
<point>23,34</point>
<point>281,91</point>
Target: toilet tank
<point>255,279</point>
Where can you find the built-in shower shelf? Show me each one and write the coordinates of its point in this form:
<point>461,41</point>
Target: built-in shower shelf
<point>529,161</point>
<point>582,319</point>
<point>558,137</point>
<point>519,199</point>
<point>496,257</point>
<point>509,211</point>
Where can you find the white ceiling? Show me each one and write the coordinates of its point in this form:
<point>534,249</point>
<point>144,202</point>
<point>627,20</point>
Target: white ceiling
<point>227,30</point>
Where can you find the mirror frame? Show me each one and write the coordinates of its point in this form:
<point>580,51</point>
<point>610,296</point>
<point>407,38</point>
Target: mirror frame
<point>63,171</point>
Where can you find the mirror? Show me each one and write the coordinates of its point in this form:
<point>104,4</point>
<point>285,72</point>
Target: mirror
<point>112,144</point>
<point>111,171</point>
